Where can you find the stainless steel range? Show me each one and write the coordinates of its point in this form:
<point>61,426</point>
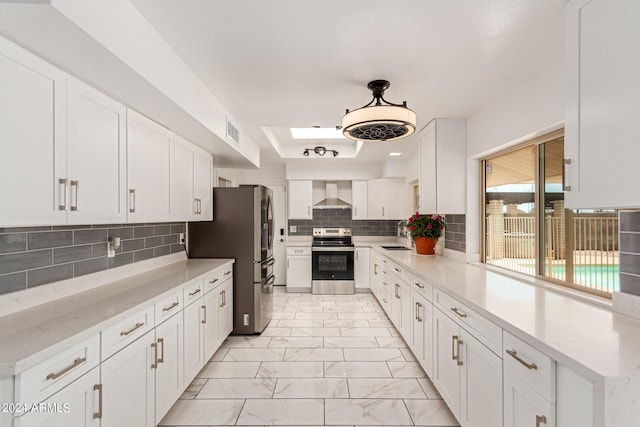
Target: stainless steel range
<point>332,254</point>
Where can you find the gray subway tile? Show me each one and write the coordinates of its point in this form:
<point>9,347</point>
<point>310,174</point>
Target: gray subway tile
<point>89,236</point>
<point>123,233</point>
<point>120,259</point>
<point>161,250</point>
<point>169,239</point>
<point>99,249</point>
<point>71,253</point>
<point>177,248</point>
<point>142,255</point>
<point>49,239</point>
<point>630,242</point>
<point>14,242</point>
<point>80,268</point>
<point>178,228</point>
<point>13,282</point>
<point>630,284</point>
<point>630,263</point>
<point>132,245</point>
<point>41,276</point>
<point>151,242</point>
<point>142,232</point>
<point>630,221</point>
<point>160,230</point>
<point>25,260</point>
<point>24,229</point>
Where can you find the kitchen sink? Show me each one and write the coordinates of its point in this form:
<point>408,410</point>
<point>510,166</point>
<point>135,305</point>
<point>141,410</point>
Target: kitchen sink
<point>395,248</point>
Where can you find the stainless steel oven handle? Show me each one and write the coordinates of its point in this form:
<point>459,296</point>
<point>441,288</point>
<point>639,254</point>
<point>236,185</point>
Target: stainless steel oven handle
<point>270,280</point>
<point>332,249</point>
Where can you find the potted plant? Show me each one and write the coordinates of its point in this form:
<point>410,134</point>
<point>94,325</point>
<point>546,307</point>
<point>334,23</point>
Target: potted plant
<point>425,231</point>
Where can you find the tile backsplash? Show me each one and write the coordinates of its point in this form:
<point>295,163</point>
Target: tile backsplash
<point>630,252</point>
<point>33,256</point>
<point>455,236</point>
<point>342,218</point>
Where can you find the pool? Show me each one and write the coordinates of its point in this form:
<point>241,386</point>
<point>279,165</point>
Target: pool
<point>597,276</point>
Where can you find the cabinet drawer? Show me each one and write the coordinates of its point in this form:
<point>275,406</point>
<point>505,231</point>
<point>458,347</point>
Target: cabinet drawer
<point>384,296</point>
<point>486,331</point>
<point>39,382</point>
<point>532,366</point>
<point>298,250</point>
<point>193,291</point>
<point>125,332</point>
<point>401,272</point>
<point>168,306</point>
<point>423,287</point>
<point>213,279</point>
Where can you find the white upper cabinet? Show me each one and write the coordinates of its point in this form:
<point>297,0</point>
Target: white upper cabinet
<point>149,168</point>
<point>359,200</point>
<point>386,198</point>
<point>442,167</point>
<point>300,194</point>
<point>601,142</point>
<point>96,156</point>
<point>191,182</point>
<point>33,126</point>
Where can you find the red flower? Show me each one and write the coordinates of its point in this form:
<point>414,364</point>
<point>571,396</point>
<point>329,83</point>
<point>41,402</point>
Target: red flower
<point>429,226</point>
<point>411,228</point>
<point>410,220</point>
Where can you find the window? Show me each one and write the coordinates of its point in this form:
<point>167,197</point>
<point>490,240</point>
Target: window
<point>527,229</point>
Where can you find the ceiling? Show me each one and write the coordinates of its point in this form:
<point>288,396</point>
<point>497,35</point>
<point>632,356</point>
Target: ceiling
<point>300,63</point>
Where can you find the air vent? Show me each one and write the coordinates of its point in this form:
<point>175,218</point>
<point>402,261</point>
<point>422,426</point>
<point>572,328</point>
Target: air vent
<point>232,132</point>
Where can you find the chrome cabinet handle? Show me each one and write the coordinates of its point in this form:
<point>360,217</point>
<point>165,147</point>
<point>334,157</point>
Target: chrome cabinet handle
<point>385,300</point>
<point>565,187</point>
<point>419,312</point>
<point>308,210</point>
<point>396,291</point>
<point>204,314</point>
<point>77,362</point>
<point>416,308</point>
<point>540,419</point>
<point>211,282</point>
<point>98,415</point>
<point>226,273</point>
<point>456,344</point>
<point>74,200</point>
<point>195,206</point>
<point>375,268</point>
<point>224,298</point>
<point>221,303</point>
<point>132,200</point>
<point>171,307</point>
<point>397,269</point>
<point>196,292</point>
<point>419,285</point>
<point>529,366</point>
<point>383,211</point>
<point>460,352</point>
<point>355,211</point>
<point>154,346</point>
<point>161,358</point>
<point>135,328</point>
<point>458,312</point>
<point>62,195</point>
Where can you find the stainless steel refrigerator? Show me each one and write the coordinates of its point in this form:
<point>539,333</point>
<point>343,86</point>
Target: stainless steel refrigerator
<point>242,228</point>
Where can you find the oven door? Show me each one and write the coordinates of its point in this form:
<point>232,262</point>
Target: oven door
<point>332,270</point>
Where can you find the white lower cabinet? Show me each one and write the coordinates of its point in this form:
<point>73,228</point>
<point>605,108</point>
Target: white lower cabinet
<point>77,405</point>
<point>401,306</point>
<point>467,374</point>
<point>169,364</point>
<point>421,341</point>
<point>361,268</point>
<point>193,341</point>
<point>128,385</point>
<point>523,407</point>
<point>225,310</point>
<point>217,318</point>
<point>299,269</point>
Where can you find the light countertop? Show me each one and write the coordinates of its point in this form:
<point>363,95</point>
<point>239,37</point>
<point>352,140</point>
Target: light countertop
<point>576,333</point>
<point>30,336</point>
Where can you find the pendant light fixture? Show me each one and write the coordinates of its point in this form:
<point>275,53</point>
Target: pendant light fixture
<point>379,122</point>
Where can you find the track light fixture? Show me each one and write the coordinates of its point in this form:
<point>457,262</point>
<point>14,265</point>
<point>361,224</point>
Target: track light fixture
<point>320,151</point>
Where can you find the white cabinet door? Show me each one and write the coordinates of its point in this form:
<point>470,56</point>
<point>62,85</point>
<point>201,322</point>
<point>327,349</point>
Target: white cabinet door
<point>299,273</point>
<point>421,330</point>
<point>523,407</point>
<point>185,204</point>
<point>96,156</point>
<point>361,268</point>
<point>376,198</point>
<point>128,385</point>
<point>225,312</point>
<point>446,369</point>
<point>149,169</point>
<point>202,184</point>
<point>75,405</point>
<point>442,177</point>
<point>193,341</point>
<point>210,322</point>
<point>33,126</point>
<point>300,197</point>
<point>359,200</point>
<point>603,64</point>
<point>170,370</point>
<point>481,397</point>
<point>403,301</point>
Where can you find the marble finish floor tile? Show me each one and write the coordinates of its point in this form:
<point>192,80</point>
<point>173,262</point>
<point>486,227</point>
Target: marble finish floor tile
<point>219,355</point>
<point>365,332</point>
<point>378,412</point>
<point>406,369</point>
<point>408,354</point>
<point>363,315</point>
<point>238,388</point>
<point>229,370</point>
<point>201,412</point>
<point>301,388</point>
<point>253,354</point>
<point>194,388</point>
<point>356,369</point>
<point>246,342</point>
<point>314,354</point>
<point>277,315</point>
<point>428,388</point>
<point>282,412</point>
<point>345,342</point>
<point>430,413</point>
<point>373,355</point>
<point>315,332</point>
<point>276,332</point>
<point>352,323</point>
<point>391,342</point>
<point>291,369</point>
<point>383,388</point>
<point>296,342</point>
<point>301,323</point>
<point>323,315</point>
<point>377,323</point>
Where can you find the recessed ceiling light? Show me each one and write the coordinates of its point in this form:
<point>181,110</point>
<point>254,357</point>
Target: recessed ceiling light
<point>395,153</point>
<point>316,133</point>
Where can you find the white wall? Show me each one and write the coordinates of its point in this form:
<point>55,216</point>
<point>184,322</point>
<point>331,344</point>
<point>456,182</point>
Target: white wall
<point>267,174</point>
<point>535,108</point>
<point>332,169</point>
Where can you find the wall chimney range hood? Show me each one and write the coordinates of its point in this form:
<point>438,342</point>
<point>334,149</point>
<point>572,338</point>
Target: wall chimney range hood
<point>331,200</point>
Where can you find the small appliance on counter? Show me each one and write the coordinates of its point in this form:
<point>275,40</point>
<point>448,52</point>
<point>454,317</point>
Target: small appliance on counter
<point>332,255</point>
<point>242,228</point>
